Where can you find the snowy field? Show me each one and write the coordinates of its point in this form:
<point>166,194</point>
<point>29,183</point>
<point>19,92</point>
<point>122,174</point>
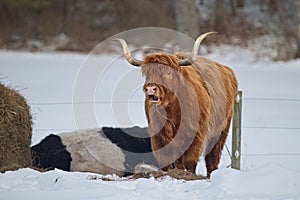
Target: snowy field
<point>270,126</point>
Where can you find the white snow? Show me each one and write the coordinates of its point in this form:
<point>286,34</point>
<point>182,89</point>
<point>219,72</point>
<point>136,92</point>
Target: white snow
<point>270,133</point>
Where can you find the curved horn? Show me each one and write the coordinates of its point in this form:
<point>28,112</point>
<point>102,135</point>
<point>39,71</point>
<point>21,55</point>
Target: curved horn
<point>127,53</point>
<point>190,60</point>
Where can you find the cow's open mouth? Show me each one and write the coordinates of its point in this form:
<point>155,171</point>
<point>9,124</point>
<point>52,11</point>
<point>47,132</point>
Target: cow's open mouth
<point>153,98</point>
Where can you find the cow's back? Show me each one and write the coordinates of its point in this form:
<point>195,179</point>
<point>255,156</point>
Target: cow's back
<point>221,87</point>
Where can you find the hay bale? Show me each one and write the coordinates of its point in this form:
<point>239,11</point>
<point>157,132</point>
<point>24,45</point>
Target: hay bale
<point>15,130</point>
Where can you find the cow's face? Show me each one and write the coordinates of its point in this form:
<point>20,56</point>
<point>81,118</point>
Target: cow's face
<point>162,72</point>
<point>162,82</point>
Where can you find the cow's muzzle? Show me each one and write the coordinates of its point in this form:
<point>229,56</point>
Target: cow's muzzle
<point>151,92</point>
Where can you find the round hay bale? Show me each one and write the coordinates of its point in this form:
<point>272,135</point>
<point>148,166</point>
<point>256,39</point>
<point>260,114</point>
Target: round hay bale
<point>15,130</point>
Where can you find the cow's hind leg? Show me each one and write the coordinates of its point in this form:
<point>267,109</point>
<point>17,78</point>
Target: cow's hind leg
<point>212,159</point>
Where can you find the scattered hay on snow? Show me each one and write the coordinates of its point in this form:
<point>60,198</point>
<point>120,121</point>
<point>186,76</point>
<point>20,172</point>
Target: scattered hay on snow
<point>149,171</point>
<point>173,173</point>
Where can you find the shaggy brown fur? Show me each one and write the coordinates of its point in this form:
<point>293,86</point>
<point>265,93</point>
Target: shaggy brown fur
<point>194,110</point>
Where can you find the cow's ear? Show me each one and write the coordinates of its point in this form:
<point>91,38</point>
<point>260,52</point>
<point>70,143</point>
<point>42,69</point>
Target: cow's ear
<point>180,69</point>
<point>180,57</point>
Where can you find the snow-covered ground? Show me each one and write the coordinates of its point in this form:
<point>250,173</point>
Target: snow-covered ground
<point>53,85</point>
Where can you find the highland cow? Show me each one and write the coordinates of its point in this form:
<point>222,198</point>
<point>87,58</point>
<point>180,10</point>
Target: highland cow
<point>189,105</point>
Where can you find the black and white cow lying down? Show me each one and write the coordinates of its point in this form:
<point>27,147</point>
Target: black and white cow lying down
<point>104,151</point>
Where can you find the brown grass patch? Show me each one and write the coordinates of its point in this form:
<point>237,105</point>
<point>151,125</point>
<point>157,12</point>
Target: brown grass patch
<point>173,173</point>
<point>149,171</point>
